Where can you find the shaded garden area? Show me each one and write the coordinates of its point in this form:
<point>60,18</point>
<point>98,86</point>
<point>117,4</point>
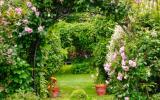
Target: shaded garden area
<point>79,49</point>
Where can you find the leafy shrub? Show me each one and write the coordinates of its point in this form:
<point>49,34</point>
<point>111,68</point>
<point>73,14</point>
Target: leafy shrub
<point>22,96</point>
<point>156,97</point>
<point>99,55</point>
<point>137,63</point>
<point>65,69</point>
<point>52,53</point>
<point>81,68</point>
<point>79,95</point>
<point>78,66</point>
<point>85,35</point>
<point>15,41</point>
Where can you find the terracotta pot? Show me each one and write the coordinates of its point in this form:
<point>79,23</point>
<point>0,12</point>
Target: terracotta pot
<point>101,89</point>
<point>55,92</point>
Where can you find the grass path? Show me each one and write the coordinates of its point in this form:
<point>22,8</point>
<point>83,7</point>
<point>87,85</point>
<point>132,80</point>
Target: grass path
<point>70,82</point>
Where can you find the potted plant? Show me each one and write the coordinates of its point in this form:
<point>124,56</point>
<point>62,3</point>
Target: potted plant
<point>101,86</point>
<point>53,88</point>
<point>101,89</point>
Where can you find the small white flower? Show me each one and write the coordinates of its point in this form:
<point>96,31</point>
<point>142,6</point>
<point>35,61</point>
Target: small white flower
<point>1,2</point>
<point>40,28</point>
<point>107,82</point>
<point>18,23</point>
<point>37,13</point>
<point>126,76</point>
<point>25,21</point>
<point>125,68</point>
<point>34,9</point>
<point>49,15</point>
<point>126,98</point>
<point>154,33</point>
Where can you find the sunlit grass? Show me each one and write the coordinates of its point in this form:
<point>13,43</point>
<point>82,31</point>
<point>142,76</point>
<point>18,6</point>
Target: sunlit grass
<point>70,82</point>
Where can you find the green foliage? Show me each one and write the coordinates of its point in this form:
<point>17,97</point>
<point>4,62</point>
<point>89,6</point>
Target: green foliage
<point>78,66</point>
<point>99,54</point>
<point>21,95</point>
<point>15,71</point>
<point>79,94</point>
<point>85,35</point>
<point>81,68</point>
<point>43,86</point>
<point>156,97</point>
<point>142,81</point>
<point>20,77</point>
<point>52,53</point>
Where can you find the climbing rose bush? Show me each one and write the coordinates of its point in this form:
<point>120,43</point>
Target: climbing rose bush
<point>15,25</point>
<point>134,71</point>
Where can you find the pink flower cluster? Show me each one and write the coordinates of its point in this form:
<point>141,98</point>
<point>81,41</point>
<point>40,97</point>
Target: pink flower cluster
<point>132,63</point>
<point>114,56</point>
<point>28,30</point>
<point>107,67</point>
<point>124,58</point>
<point>122,52</point>
<point>120,76</point>
<point>124,61</point>
<point>33,8</point>
<point>18,11</point>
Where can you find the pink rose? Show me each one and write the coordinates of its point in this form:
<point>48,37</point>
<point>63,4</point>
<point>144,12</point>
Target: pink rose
<point>132,63</point>
<point>18,11</point>
<point>114,56</point>
<point>125,68</point>
<point>122,49</point>
<point>120,76</point>
<point>28,30</point>
<point>126,98</point>
<point>123,62</point>
<point>123,55</point>
<point>29,4</point>
<point>107,67</point>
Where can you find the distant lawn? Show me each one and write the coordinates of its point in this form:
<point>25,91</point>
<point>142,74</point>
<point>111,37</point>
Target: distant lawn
<point>70,82</point>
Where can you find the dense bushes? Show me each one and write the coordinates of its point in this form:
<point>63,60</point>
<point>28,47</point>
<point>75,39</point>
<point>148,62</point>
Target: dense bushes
<point>85,35</point>
<point>15,71</point>
<point>77,67</point>
<point>52,53</point>
<point>133,60</point>
<point>79,94</point>
<point>139,72</point>
<point>22,56</point>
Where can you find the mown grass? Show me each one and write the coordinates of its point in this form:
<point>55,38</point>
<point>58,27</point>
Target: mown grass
<point>70,82</point>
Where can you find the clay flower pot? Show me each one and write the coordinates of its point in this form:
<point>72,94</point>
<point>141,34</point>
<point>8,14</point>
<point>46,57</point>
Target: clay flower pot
<point>55,92</point>
<point>101,89</point>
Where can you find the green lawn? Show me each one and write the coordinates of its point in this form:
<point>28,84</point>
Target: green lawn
<point>70,82</point>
